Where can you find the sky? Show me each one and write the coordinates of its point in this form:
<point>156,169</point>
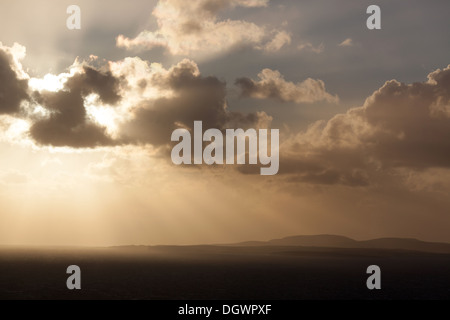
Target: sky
<point>86,118</point>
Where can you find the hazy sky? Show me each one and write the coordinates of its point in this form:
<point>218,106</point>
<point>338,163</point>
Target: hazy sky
<point>86,118</point>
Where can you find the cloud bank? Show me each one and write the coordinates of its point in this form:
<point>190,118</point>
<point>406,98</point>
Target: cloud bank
<point>399,127</point>
<point>127,102</point>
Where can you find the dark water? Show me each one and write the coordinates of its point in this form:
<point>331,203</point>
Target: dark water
<point>207,272</point>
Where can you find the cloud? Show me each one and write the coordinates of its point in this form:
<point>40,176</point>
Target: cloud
<point>127,102</point>
<point>310,47</point>
<point>13,89</point>
<point>194,97</point>
<point>271,84</point>
<point>401,127</point>
<point>68,123</point>
<point>14,177</point>
<point>281,39</point>
<point>346,43</point>
<point>195,29</point>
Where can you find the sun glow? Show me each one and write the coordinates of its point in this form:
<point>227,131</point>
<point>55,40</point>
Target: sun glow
<point>14,130</point>
<point>103,115</point>
<point>49,82</point>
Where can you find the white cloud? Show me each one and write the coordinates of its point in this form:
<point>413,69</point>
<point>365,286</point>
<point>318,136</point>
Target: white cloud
<point>310,47</point>
<point>195,29</point>
<point>17,53</point>
<point>281,39</point>
<point>346,43</point>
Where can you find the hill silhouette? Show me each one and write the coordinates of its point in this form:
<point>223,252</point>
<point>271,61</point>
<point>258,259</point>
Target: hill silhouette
<point>335,241</point>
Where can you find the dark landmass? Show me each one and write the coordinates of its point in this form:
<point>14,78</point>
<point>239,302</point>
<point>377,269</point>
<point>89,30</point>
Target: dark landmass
<point>333,241</point>
<point>304,267</point>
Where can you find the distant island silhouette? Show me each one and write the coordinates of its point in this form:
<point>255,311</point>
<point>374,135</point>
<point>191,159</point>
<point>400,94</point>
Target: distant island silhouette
<point>323,241</point>
<point>335,241</point>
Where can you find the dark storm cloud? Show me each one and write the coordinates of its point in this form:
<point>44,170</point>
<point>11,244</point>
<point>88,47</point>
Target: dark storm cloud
<point>403,125</point>
<point>96,81</point>
<point>12,89</point>
<point>399,126</point>
<point>68,124</point>
<point>195,98</point>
